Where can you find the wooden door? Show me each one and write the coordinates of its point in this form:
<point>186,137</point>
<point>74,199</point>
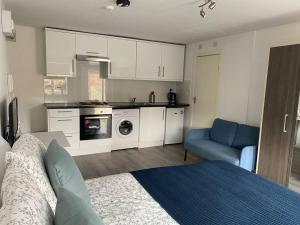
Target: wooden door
<point>148,61</point>
<point>205,91</point>
<point>280,112</point>
<point>122,53</point>
<point>172,62</point>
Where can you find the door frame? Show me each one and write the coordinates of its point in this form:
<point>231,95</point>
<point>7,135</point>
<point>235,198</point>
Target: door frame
<point>194,73</point>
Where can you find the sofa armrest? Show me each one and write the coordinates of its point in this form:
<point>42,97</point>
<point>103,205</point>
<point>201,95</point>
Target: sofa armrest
<point>198,134</point>
<point>248,158</point>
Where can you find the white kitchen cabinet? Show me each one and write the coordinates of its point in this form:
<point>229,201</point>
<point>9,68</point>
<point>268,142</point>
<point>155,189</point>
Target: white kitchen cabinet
<point>122,53</point>
<point>67,121</point>
<point>152,126</point>
<point>91,44</point>
<point>172,62</point>
<point>148,60</point>
<point>60,53</point>
<point>174,125</point>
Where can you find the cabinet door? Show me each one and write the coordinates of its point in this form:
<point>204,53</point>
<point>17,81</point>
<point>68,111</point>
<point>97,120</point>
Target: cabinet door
<point>89,44</point>
<point>152,126</point>
<point>122,54</point>
<point>172,62</point>
<point>60,53</point>
<point>148,61</point>
<point>174,125</point>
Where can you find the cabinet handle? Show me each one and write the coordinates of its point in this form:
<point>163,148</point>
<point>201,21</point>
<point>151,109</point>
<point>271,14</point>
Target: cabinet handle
<point>68,136</point>
<point>96,53</point>
<point>64,111</point>
<point>284,123</point>
<point>159,71</point>
<point>73,66</point>
<point>65,120</point>
<point>110,68</point>
<point>163,114</point>
<point>163,71</point>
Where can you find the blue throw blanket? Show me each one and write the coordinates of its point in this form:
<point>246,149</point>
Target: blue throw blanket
<point>219,193</point>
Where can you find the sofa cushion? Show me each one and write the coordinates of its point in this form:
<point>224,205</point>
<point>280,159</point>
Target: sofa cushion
<point>214,151</point>
<point>223,131</point>
<point>72,210</point>
<point>246,136</point>
<point>23,201</point>
<point>63,171</point>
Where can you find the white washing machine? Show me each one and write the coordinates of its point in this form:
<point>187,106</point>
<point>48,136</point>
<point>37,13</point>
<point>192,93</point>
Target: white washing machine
<point>125,128</point>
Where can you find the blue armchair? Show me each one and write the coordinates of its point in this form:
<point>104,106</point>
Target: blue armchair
<point>229,141</point>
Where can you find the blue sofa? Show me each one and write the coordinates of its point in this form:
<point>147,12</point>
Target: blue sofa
<point>228,141</point>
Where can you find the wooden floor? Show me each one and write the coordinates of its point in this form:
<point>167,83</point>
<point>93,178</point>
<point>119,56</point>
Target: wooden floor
<point>295,173</point>
<point>93,166</point>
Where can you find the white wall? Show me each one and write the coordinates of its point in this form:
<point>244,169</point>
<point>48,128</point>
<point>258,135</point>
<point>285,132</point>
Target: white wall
<point>3,78</point>
<point>27,64</point>
<point>243,69</point>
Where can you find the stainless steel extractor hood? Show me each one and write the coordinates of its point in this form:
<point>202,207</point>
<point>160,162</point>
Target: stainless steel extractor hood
<point>91,58</point>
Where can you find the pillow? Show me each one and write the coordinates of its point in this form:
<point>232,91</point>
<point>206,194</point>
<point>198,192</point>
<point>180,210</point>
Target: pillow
<point>23,202</point>
<point>4,147</point>
<point>223,131</point>
<point>72,210</point>
<point>63,171</point>
<point>29,145</point>
<point>36,169</point>
<point>246,136</point>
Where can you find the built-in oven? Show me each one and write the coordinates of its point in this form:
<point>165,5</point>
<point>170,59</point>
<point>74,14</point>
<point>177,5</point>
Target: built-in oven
<point>95,123</point>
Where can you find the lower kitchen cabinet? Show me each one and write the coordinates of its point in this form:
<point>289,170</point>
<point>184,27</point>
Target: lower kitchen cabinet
<point>67,121</point>
<point>174,126</point>
<point>152,126</point>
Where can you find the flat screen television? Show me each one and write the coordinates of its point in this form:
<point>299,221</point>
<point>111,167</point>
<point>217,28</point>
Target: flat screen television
<point>13,121</point>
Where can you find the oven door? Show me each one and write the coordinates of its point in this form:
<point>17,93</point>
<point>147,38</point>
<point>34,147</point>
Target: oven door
<point>95,127</point>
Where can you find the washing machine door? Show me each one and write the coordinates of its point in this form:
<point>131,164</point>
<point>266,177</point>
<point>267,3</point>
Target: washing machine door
<point>125,128</point>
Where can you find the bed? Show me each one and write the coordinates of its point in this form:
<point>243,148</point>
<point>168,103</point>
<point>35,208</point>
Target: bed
<point>212,192</point>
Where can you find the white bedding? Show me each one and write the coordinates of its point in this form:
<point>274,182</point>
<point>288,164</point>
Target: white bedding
<point>121,200</point>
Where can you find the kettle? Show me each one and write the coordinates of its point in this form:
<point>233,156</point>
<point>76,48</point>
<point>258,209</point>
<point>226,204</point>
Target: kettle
<point>171,97</point>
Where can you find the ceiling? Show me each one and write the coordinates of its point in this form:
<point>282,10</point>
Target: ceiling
<point>162,20</point>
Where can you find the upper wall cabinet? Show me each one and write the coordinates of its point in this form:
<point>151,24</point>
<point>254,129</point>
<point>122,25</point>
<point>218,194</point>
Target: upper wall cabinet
<point>148,61</point>
<point>157,61</point>
<point>91,44</point>
<point>130,59</point>
<point>122,53</point>
<point>60,53</point>
<point>172,62</point>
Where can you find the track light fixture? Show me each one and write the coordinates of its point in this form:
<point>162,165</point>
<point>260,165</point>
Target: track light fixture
<point>210,4</point>
<point>123,3</point>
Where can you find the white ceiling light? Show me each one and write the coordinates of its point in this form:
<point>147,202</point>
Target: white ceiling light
<point>110,8</point>
<point>210,4</point>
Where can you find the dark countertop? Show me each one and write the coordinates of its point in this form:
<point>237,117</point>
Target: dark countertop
<point>114,105</point>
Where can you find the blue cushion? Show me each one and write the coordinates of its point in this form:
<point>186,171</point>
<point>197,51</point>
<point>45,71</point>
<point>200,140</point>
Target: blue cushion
<point>246,136</point>
<point>63,171</point>
<point>214,151</point>
<point>223,131</point>
<point>72,210</point>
